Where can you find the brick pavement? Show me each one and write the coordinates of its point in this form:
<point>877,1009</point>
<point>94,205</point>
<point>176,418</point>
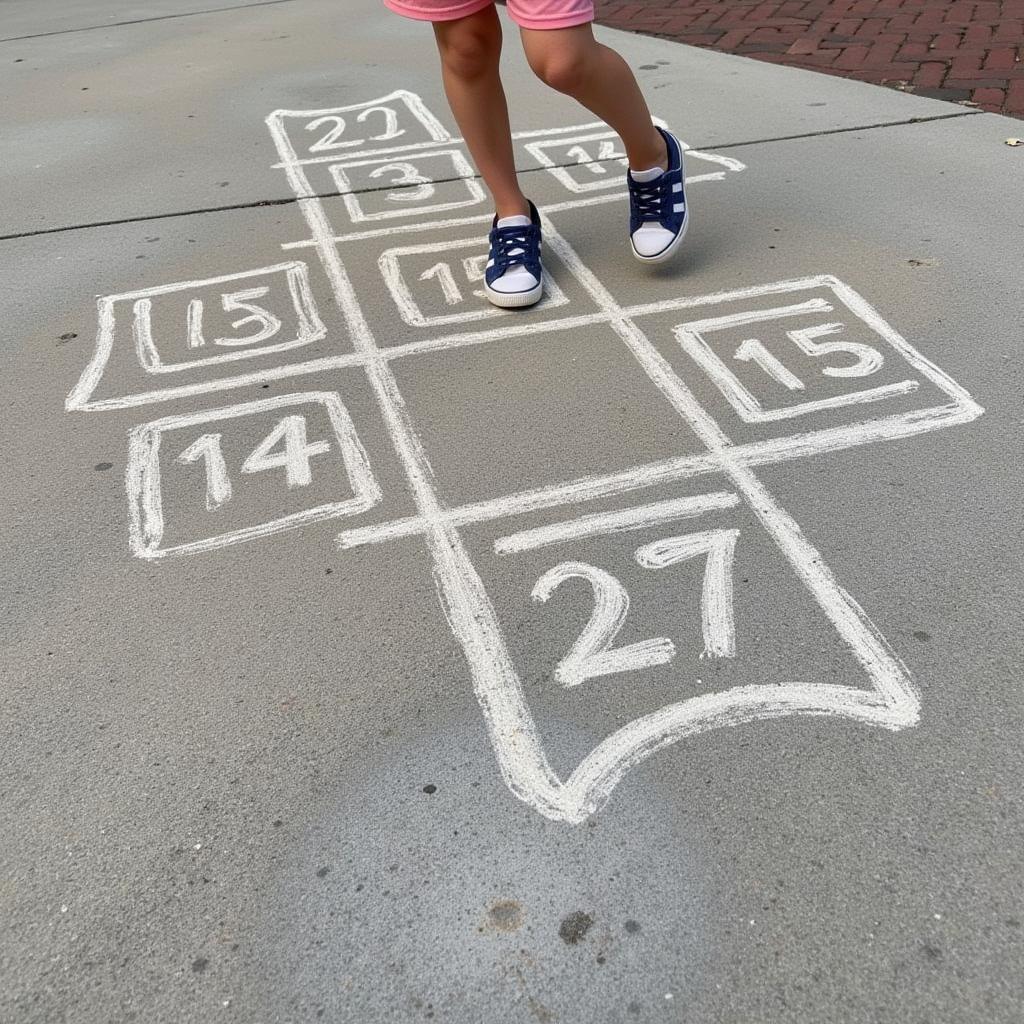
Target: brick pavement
<point>965,51</point>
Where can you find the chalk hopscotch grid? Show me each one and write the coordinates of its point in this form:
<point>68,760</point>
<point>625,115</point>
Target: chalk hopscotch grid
<point>893,702</point>
<point>960,409</point>
<point>80,398</point>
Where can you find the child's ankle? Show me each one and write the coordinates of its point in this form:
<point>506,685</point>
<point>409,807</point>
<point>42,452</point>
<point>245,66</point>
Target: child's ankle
<point>658,157</point>
<point>514,208</point>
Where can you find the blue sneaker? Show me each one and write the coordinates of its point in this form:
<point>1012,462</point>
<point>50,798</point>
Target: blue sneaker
<point>658,211</point>
<point>514,277</point>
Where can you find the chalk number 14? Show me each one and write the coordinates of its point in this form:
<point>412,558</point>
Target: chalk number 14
<point>293,454</point>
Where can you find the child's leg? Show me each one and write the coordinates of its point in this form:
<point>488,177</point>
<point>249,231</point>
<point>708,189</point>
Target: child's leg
<point>572,61</point>
<point>470,49</point>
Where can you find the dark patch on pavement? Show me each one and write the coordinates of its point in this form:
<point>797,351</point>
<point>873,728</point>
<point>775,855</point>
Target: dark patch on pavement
<point>505,915</point>
<point>574,927</point>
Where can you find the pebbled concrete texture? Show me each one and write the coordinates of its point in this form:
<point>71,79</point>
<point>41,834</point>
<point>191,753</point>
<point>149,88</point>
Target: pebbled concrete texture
<point>255,784</point>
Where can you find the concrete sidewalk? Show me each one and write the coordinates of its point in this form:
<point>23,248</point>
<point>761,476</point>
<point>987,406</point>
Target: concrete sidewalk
<point>314,561</point>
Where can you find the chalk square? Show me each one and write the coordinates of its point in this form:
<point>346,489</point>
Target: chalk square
<point>595,162</point>
<point>799,366</point>
<point>536,410</point>
<point>291,459</point>
<point>247,295</point>
<point>620,627</point>
<point>421,289</point>
<point>455,279</point>
<point>189,337</point>
<point>397,121</point>
<point>406,185</point>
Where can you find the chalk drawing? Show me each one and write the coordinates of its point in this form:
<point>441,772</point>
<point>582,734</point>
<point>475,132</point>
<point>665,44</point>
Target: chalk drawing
<point>890,699</point>
<point>184,347</point>
<point>207,449</point>
<point>719,546</point>
<point>590,152</point>
<point>400,114</point>
<point>355,143</point>
<point>294,457</point>
<point>592,654</point>
<point>143,476</point>
<point>404,181</point>
<point>411,311</point>
<point>753,350</point>
<point>692,336</point>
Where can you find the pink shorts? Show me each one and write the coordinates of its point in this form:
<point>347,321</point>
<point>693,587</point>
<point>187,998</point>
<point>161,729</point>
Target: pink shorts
<point>525,13</point>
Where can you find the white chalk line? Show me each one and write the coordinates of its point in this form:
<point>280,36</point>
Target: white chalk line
<point>428,144</point>
<point>189,390</point>
<point>638,478</point>
<point>143,476</point>
<point>463,173</point>
<point>576,491</point>
<point>593,654</point>
<point>716,604</point>
<point>460,589</point>
<point>473,620</point>
<point>894,703</point>
<point>79,398</point>
<point>599,523</point>
<point>532,133</point>
<point>482,218</point>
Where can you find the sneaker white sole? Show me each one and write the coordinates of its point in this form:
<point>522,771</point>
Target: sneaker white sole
<point>514,300</point>
<point>669,249</point>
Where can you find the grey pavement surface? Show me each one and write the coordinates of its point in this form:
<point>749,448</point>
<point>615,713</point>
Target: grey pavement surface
<point>254,781</point>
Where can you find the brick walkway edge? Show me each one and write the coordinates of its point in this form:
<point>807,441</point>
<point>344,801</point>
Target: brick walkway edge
<point>963,51</point>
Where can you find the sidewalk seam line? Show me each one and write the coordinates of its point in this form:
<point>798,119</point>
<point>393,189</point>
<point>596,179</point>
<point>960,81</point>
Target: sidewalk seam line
<point>291,200</point>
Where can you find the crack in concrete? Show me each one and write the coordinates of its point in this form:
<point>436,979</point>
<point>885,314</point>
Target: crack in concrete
<point>289,200</point>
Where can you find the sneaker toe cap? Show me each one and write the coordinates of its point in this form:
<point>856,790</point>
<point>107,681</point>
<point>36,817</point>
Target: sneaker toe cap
<point>649,240</point>
<point>515,279</point>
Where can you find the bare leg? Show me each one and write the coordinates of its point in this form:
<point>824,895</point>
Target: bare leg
<point>470,49</point>
<point>572,61</point>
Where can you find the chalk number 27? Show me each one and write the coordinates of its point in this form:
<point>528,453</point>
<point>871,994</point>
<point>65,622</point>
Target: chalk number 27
<point>593,653</point>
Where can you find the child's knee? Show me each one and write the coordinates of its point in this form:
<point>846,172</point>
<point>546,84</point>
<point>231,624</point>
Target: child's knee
<point>470,51</point>
<point>563,71</point>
